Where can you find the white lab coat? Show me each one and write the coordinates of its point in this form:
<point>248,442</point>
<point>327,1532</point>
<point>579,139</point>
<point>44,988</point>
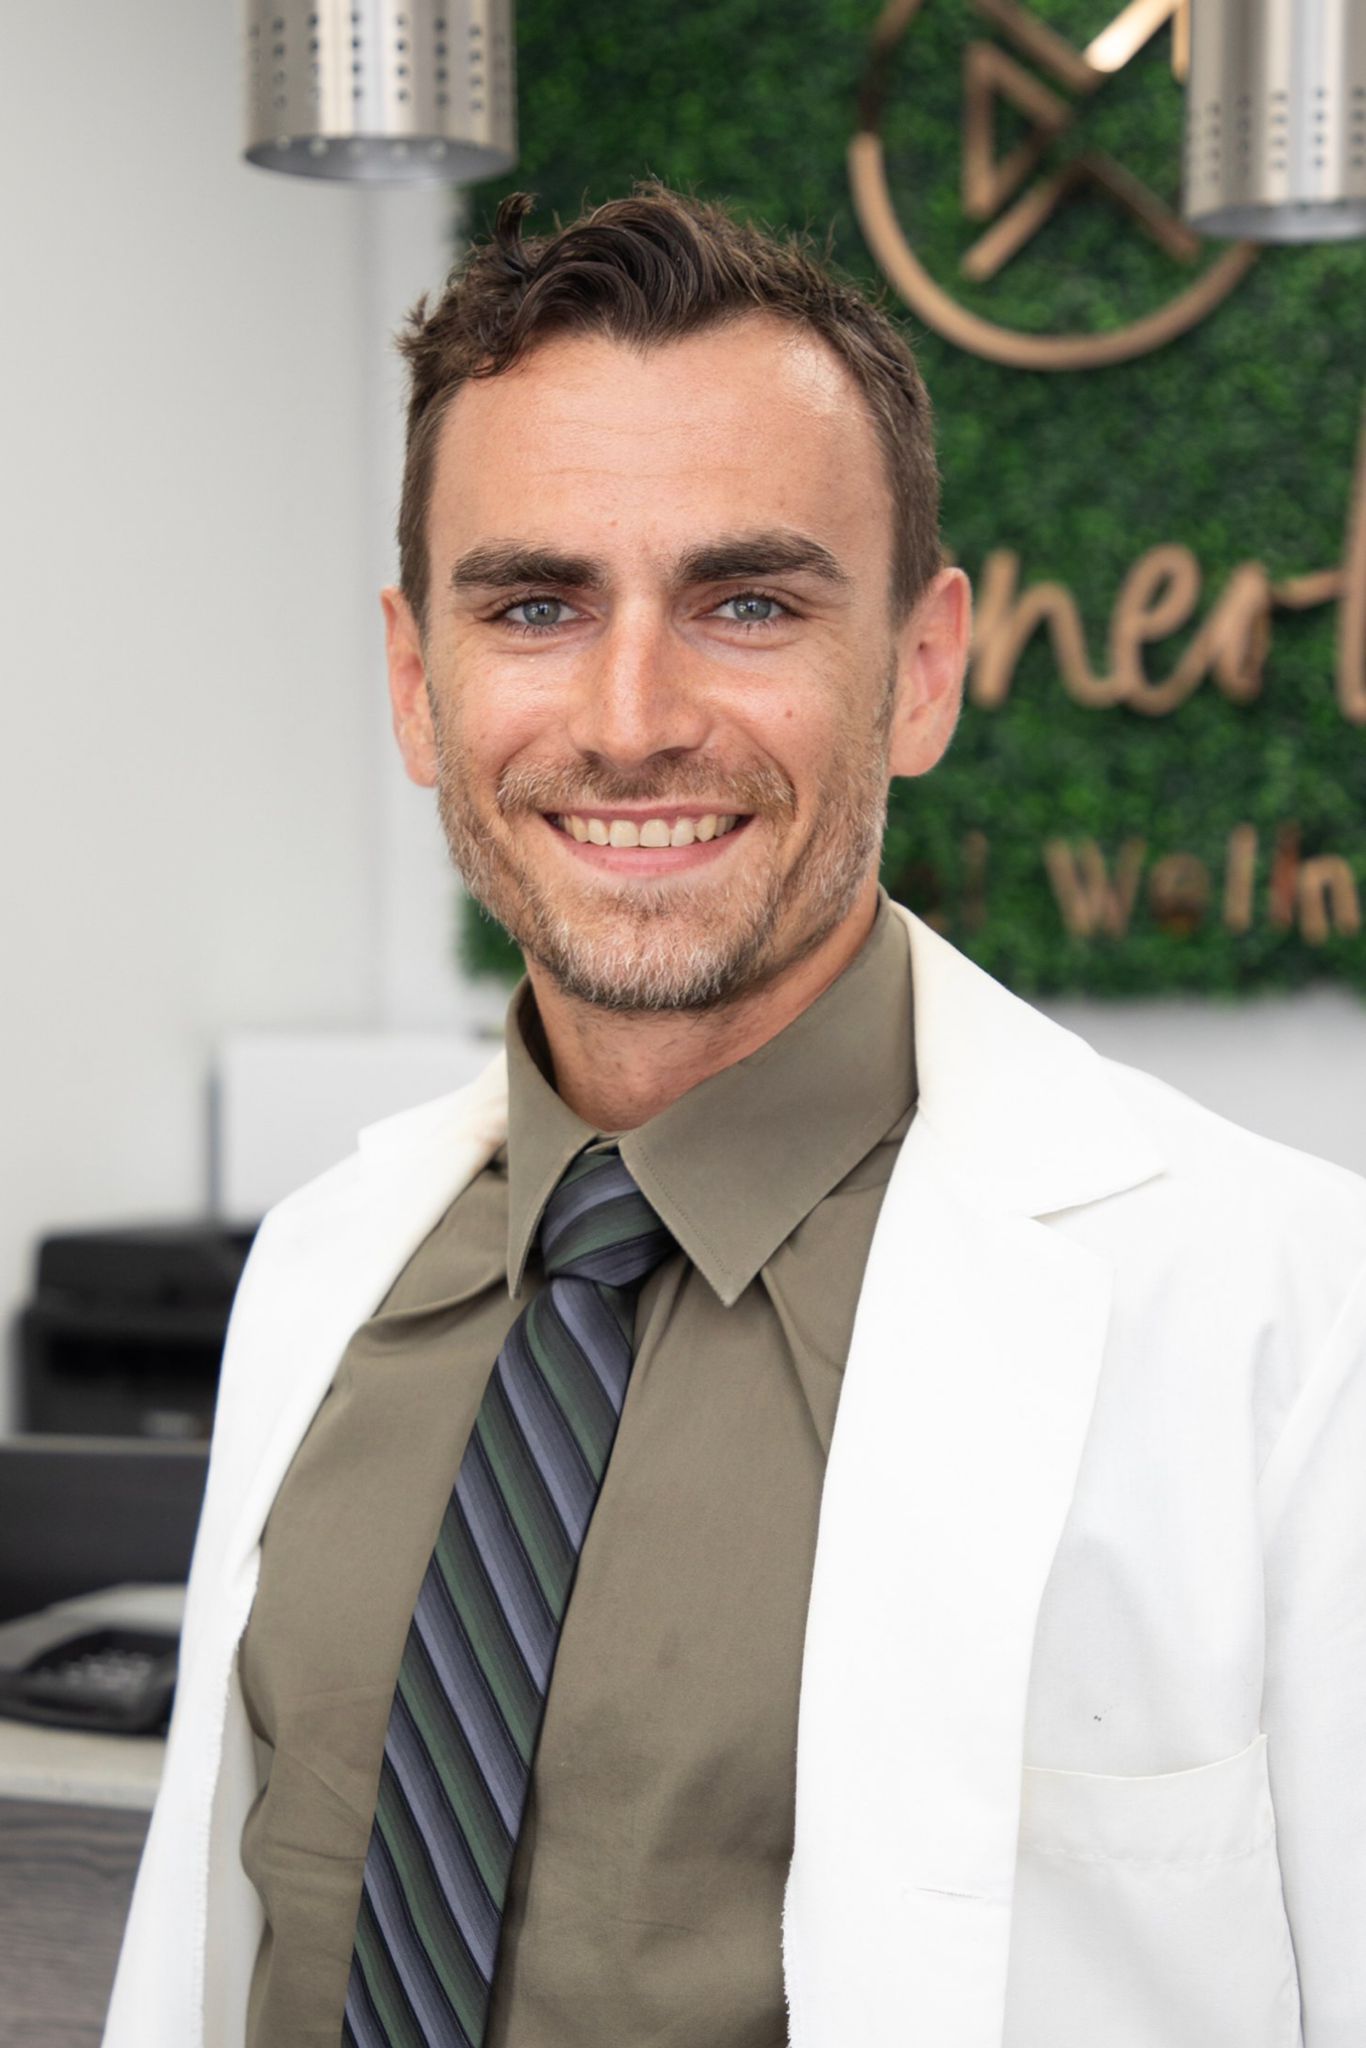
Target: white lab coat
<point>1082,1750</point>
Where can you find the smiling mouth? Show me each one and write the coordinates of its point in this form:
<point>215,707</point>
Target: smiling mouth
<point>651,833</point>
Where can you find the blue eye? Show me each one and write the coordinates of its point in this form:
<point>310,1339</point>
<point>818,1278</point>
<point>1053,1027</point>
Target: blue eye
<point>537,614</point>
<point>752,609</point>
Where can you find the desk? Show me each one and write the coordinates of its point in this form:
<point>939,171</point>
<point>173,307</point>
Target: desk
<point>73,1815</point>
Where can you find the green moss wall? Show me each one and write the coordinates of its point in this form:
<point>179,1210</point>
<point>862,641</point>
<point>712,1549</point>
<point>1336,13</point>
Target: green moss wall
<point>1236,440</point>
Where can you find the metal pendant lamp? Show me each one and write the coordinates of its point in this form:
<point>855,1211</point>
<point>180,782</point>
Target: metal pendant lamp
<point>1276,119</point>
<point>381,91</point>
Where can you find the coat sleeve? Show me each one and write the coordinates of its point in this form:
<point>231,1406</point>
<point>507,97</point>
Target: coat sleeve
<point>1313,1502</point>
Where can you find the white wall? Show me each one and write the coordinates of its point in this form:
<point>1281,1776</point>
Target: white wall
<point>198,429</point>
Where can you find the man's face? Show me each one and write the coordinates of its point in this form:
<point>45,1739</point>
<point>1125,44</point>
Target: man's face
<point>660,668</point>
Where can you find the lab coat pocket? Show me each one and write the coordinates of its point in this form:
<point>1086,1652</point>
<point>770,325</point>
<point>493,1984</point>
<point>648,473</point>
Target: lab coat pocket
<point>1148,1912</point>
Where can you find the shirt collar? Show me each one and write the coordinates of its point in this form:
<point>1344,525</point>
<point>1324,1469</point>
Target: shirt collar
<point>544,1133</point>
<point>738,1162</point>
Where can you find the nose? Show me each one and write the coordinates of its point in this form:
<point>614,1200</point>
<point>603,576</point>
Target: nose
<point>639,693</point>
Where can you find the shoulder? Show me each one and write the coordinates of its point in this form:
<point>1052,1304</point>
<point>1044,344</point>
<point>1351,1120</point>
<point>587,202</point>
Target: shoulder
<point>1215,1159</point>
<point>1238,1240</point>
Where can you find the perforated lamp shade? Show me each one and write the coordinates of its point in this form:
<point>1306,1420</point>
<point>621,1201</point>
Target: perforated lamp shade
<point>391,91</point>
<point>1276,119</point>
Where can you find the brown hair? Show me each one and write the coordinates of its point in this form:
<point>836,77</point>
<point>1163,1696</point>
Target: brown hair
<point>648,269</point>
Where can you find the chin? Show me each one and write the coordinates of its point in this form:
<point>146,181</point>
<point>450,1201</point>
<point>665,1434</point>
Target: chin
<point>651,970</point>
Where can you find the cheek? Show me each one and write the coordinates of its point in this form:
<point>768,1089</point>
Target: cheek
<point>503,710</point>
<point>811,733</point>
<point>481,727</point>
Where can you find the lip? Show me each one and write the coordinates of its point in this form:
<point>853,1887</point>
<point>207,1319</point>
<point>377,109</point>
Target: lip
<point>646,863</point>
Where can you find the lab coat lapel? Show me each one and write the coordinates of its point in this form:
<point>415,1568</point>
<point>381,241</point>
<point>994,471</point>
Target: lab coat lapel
<point>966,1401</point>
<point>324,1284</point>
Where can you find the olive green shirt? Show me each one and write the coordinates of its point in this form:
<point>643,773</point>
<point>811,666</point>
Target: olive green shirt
<point>647,1887</point>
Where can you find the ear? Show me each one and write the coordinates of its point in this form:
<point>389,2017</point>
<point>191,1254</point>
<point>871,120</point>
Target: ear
<point>408,688</point>
<point>931,657</point>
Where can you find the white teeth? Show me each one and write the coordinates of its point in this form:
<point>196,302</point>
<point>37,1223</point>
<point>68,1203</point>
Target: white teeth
<point>654,832</point>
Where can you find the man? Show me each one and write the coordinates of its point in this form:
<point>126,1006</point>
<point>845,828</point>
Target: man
<point>1035,1712</point>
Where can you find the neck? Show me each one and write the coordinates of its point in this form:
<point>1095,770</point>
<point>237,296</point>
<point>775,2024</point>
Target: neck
<point>617,1069</point>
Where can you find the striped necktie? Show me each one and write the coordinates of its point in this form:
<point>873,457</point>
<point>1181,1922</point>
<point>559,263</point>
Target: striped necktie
<point>476,1666</point>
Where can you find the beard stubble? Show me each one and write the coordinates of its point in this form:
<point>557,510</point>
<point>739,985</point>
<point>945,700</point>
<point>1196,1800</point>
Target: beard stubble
<point>672,946</point>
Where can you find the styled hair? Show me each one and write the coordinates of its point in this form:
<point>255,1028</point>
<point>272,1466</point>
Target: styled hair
<point>655,268</point>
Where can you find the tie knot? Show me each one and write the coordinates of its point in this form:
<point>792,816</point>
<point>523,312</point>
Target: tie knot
<point>598,1225</point>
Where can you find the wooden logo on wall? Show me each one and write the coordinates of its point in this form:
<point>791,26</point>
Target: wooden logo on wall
<point>1003,191</point>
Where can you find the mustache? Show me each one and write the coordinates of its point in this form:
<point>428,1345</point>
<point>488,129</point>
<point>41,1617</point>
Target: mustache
<point>566,786</point>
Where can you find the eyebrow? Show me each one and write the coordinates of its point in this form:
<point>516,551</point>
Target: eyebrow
<point>779,553</point>
<point>506,565</point>
<point>511,565</point>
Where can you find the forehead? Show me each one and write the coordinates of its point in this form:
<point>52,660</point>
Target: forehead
<point>601,444</point>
